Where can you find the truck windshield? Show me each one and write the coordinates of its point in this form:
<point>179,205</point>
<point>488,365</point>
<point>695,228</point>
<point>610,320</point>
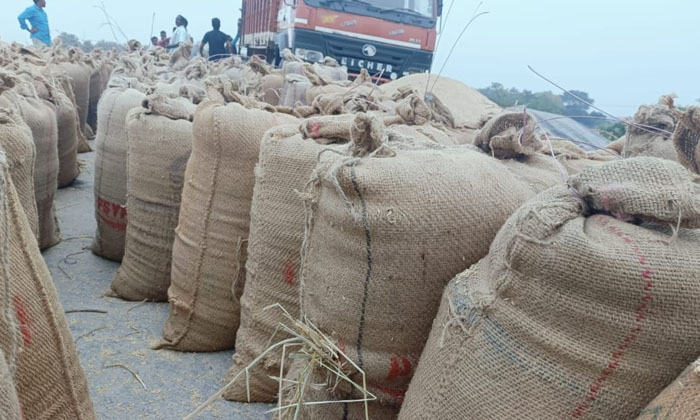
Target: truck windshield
<point>420,7</point>
<point>415,12</point>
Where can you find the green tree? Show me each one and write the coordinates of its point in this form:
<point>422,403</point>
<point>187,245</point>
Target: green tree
<point>69,40</point>
<point>541,101</point>
<point>573,106</point>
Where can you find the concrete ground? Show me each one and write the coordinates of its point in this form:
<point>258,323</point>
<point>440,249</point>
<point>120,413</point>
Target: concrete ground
<point>174,384</point>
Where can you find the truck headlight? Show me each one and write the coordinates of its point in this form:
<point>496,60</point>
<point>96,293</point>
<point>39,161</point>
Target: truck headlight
<point>309,55</point>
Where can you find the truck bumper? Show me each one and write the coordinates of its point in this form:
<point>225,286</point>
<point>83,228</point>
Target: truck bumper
<point>390,61</point>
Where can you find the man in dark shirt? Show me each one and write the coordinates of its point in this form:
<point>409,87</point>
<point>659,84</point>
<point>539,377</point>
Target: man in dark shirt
<point>219,43</point>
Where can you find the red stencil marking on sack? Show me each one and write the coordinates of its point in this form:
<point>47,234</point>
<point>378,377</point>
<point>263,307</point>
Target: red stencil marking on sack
<point>289,271</point>
<point>640,312</point>
<point>23,319</point>
<point>400,366</point>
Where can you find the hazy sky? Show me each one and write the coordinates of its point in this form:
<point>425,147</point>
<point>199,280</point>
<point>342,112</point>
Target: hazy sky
<point>623,52</point>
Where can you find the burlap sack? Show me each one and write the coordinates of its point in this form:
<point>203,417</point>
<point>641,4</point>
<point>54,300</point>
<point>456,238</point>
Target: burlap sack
<point>276,233</point>
<point>469,107</point>
<point>380,251</point>
<point>50,89</point>
<point>211,237</point>
<point>509,135</point>
<point>110,171</point>
<point>686,139</point>
<point>79,74</point>
<point>159,145</point>
<point>574,313</point>
<point>272,86</point>
<point>679,401</point>
<point>33,330</point>
<point>651,136</point>
<point>67,88</point>
<point>618,145</point>
<point>574,159</point>
<point>95,91</point>
<point>287,160</point>
<point>16,140</point>
<point>181,57</point>
<point>294,91</point>
<point>68,138</point>
<point>40,117</point>
<point>9,402</point>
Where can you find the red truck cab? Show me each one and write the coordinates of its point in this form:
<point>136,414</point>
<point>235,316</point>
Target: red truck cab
<point>389,38</point>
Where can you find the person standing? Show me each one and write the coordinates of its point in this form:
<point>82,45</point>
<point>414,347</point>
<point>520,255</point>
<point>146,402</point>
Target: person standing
<point>40,34</point>
<point>219,43</point>
<point>237,38</point>
<point>180,35</point>
<point>164,40</point>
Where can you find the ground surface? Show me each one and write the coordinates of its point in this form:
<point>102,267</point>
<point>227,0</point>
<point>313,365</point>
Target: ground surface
<point>175,383</point>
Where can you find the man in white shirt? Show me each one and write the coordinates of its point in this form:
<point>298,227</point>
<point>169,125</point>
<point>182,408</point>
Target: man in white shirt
<point>180,35</point>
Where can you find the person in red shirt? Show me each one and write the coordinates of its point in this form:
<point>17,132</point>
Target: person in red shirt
<point>164,40</point>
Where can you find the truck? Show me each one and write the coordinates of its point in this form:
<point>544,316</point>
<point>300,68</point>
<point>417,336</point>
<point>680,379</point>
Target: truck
<point>388,38</point>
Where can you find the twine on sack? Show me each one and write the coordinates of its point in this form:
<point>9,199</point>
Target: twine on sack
<point>319,350</point>
<point>239,250</point>
<point>5,262</point>
<point>367,140</point>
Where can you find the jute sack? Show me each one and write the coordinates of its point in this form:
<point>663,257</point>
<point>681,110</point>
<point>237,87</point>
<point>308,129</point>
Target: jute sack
<point>618,145</point>
<point>288,156</point>
<point>181,56</point>
<point>679,401</point>
<point>686,139</point>
<point>276,233</point>
<point>294,90</point>
<point>651,134</point>
<point>574,313</point>
<point>79,74</point>
<point>67,88</point>
<point>110,171</point>
<point>211,237</point>
<point>272,86</point>
<point>9,402</point>
<point>49,89</point>
<point>49,380</point>
<point>68,138</point>
<point>159,145</point>
<point>379,251</point>
<point>574,159</point>
<point>40,117</point>
<point>16,140</point>
<point>470,108</point>
<point>95,91</point>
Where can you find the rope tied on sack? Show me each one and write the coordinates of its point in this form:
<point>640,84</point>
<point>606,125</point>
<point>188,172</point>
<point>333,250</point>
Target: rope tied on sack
<point>168,107</point>
<point>367,136</point>
<point>413,110</point>
<point>509,135</point>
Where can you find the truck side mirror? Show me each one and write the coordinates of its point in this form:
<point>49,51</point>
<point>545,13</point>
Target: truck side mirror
<point>439,7</point>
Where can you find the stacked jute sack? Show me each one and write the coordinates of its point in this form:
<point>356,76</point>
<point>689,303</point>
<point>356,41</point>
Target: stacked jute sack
<point>40,374</point>
<point>172,81</point>
<point>584,307</point>
<point>40,117</point>
<point>46,88</point>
